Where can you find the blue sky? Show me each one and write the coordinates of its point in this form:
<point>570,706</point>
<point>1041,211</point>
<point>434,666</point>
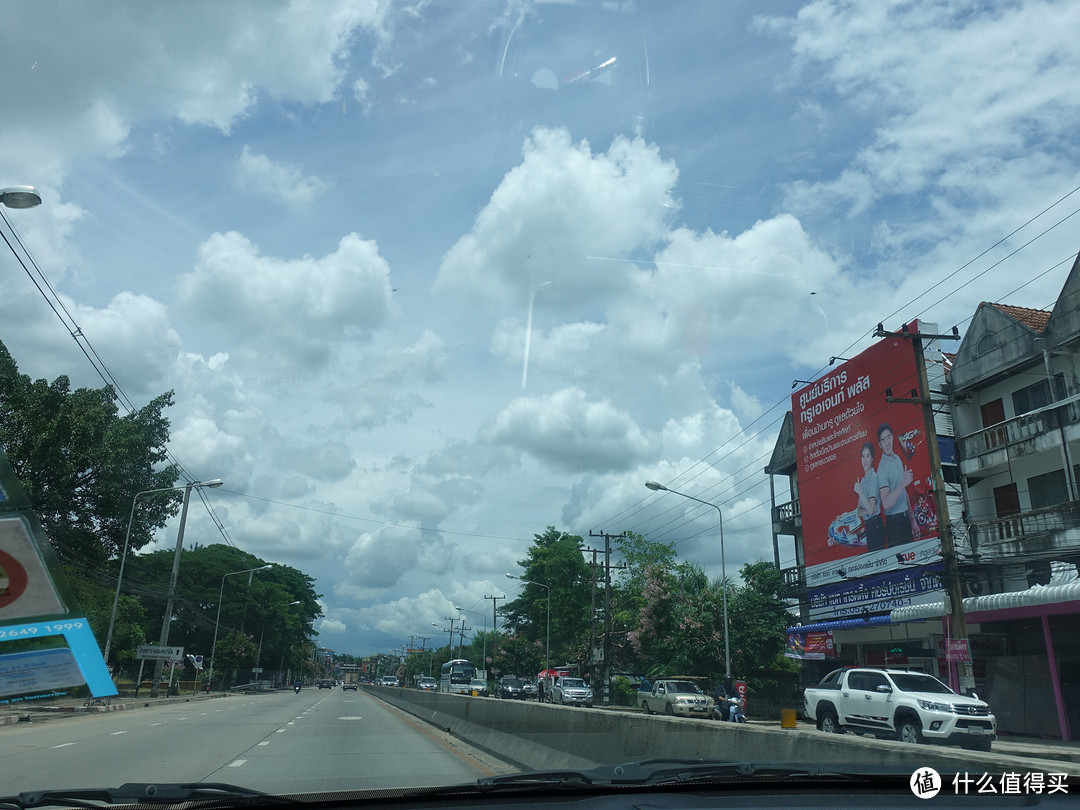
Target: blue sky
<point>321,225</point>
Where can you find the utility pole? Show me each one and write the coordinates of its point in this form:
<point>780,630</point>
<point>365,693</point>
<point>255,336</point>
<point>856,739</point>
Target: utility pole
<point>958,631</point>
<point>494,624</point>
<point>606,668</point>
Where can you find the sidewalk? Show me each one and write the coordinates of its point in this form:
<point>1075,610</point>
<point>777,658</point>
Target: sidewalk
<point>47,708</point>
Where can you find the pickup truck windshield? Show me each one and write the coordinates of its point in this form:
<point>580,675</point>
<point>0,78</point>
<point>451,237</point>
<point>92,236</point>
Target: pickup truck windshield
<point>921,683</point>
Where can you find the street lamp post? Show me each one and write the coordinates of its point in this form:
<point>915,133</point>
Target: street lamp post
<point>657,487</point>
<point>547,648</point>
<point>167,619</point>
<point>217,621</point>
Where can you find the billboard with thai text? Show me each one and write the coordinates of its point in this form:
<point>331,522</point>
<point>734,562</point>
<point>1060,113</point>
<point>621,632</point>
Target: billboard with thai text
<point>865,483</point>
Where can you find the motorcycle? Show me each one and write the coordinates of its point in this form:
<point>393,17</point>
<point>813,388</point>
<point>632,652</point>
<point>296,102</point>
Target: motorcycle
<point>296,688</point>
<point>730,709</point>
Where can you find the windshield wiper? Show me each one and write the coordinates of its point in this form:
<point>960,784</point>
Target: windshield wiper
<point>135,793</point>
<point>673,771</point>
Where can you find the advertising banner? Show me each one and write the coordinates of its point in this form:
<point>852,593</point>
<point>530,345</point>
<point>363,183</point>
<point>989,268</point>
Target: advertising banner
<point>865,484</point>
<point>878,594</point>
<point>46,645</point>
<point>813,646</point>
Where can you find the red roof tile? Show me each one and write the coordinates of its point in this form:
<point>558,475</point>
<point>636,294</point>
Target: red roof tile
<point>1034,319</point>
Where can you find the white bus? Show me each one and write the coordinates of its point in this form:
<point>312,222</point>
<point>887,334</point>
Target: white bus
<point>456,675</point>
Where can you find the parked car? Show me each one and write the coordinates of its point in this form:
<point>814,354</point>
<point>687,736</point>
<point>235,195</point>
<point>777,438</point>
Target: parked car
<point>325,683</point>
<point>428,684</point>
<point>513,688</point>
<point>530,688</point>
<point>674,697</point>
<point>899,705</point>
<point>572,692</point>
<point>479,687</point>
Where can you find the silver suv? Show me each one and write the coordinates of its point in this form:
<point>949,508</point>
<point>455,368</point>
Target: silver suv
<point>573,692</point>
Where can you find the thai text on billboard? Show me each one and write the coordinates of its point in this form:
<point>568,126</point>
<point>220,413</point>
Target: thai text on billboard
<point>865,484</point>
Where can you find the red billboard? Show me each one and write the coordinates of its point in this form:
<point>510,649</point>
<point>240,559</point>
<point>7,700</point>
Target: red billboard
<point>865,484</point>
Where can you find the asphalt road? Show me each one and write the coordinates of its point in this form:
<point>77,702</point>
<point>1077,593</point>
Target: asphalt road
<point>318,740</point>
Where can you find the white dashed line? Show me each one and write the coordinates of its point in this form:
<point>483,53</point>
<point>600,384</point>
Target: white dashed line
<point>157,724</point>
<point>237,764</point>
<point>265,742</point>
<point>280,731</point>
<point>61,745</point>
<point>114,733</point>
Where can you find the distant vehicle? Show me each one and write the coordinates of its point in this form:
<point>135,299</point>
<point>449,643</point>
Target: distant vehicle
<point>529,687</point>
<point>326,683</point>
<point>513,688</point>
<point>478,686</point>
<point>349,685</point>
<point>427,684</point>
<point>456,676</point>
<point>571,692</point>
<point>388,680</point>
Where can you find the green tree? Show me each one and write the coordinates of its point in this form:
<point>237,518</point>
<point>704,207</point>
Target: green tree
<point>759,616</point>
<point>81,463</point>
<point>262,609</point>
<point>554,559</point>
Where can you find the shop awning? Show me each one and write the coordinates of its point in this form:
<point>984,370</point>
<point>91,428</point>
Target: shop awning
<point>839,624</point>
<point>1033,597</point>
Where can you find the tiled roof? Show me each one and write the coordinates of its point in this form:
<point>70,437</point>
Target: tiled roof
<point>1034,319</point>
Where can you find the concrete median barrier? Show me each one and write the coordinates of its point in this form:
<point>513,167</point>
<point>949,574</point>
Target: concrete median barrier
<point>536,736</point>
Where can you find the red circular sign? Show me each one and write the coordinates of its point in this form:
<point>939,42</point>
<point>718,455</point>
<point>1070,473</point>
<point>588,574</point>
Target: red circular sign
<point>13,579</point>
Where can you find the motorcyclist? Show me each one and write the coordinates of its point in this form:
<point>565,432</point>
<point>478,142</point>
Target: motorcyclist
<point>296,684</point>
<point>724,692</point>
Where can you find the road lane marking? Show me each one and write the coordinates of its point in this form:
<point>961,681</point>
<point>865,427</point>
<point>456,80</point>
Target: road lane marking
<point>114,733</point>
<point>237,764</point>
<point>61,745</point>
<point>280,731</point>
<point>350,717</point>
<point>157,724</point>
<point>265,742</point>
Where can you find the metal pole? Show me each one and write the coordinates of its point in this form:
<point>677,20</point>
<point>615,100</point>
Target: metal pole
<point>155,687</point>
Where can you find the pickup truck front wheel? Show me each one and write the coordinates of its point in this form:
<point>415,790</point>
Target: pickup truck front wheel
<point>909,730</point>
<point>828,722</point>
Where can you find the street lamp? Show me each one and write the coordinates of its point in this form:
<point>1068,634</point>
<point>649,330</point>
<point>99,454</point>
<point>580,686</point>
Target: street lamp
<point>217,482</point>
<point>656,487</point>
<point>547,649</point>
<point>20,197</point>
<point>167,619</point>
<point>217,621</point>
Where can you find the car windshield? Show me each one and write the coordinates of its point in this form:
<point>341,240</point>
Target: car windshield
<point>420,343</point>
<point>683,686</point>
<point>920,683</point>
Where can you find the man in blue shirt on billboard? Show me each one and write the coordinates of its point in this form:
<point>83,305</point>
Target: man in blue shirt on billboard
<point>894,478</point>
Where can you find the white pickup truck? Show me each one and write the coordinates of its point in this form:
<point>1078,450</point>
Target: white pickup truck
<point>674,697</point>
<point>899,705</point>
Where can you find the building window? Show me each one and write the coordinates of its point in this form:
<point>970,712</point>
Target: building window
<point>987,343</point>
<point>1038,395</point>
<point>1048,489</point>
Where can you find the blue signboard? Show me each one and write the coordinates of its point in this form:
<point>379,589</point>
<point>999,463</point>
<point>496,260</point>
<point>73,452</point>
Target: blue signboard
<point>877,594</point>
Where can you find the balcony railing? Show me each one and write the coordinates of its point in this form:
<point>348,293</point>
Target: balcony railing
<point>1020,429</point>
<point>1035,534</point>
<point>787,511</point>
